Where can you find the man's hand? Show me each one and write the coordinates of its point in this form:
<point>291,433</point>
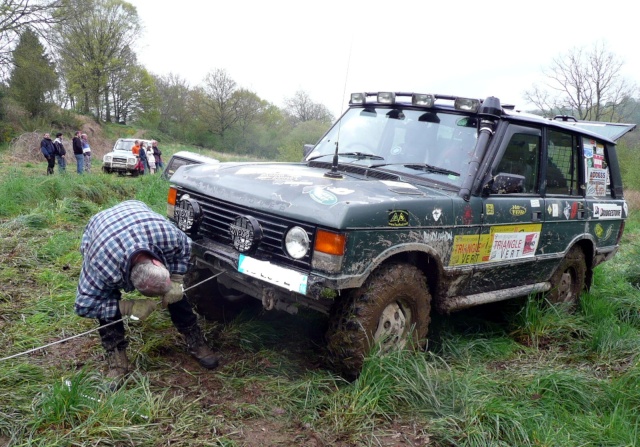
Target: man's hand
<point>177,290</point>
<point>137,309</point>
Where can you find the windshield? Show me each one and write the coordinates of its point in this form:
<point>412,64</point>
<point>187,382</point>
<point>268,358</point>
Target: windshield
<point>414,142</point>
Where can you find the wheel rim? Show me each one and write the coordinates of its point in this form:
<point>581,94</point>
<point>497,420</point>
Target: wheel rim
<point>565,287</point>
<point>391,332</point>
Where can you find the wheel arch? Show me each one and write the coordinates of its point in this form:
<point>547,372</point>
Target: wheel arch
<point>587,245</point>
<point>425,258</point>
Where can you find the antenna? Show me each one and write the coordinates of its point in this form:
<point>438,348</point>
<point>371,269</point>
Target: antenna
<point>334,163</point>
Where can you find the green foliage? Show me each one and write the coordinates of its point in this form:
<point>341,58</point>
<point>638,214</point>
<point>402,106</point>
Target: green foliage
<point>33,77</point>
<point>307,132</point>
<point>516,373</point>
<point>95,49</point>
<point>627,157</point>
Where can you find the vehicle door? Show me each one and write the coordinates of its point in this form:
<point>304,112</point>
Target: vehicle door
<point>605,206</point>
<point>565,206</point>
<point>512,218</point>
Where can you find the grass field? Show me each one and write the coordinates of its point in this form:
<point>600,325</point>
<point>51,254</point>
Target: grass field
<point>511,374</point>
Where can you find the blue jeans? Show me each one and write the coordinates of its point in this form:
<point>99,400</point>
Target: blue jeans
<point>62,163</point>
<point>80,162</point>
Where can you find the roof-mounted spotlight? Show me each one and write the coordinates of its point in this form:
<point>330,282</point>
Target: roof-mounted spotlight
<point>357,98</point>
<point>386,97</point>
<point>421,99</point>
<point>466,104</point>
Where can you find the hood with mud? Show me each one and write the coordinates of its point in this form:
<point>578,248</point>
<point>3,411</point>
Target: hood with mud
<point>300,192</point>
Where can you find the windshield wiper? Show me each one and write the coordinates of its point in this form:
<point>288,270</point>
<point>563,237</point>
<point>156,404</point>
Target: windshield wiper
<point>360,155</point>
<point>431,168</point>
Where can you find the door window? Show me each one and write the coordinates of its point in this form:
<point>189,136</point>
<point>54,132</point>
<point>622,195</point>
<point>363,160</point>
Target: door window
<point>521,158</point>
<point>596,168</point>
<point>562,164</point>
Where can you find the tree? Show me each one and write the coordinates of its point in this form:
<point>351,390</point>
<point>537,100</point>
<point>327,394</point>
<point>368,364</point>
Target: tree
<point>585,83</point>
<point>33,77</point>
<point>304,133</point>
<point>249,108</point>
<point>219,102</point>
<point>133,94</point>
<point>301,108</point>
<point>93,46</point>
<point>15,16</point>
<point>174,95</point>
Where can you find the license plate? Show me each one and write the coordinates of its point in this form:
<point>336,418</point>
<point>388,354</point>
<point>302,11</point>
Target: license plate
<point>273,274</point>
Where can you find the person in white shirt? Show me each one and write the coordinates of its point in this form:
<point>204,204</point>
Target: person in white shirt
<point>151,160</point>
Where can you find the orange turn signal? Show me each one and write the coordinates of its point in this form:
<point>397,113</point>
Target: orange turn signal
<point>330,243</point>
<point>173,194</point>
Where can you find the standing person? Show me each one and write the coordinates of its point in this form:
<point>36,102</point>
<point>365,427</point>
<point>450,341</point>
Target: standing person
<point>76,143</point>
<point>143,158</point>
<point>86,152</point>
<point>151,160</point>
<point>129,247</point>
<point>49,151</point>
<point>158,156</point>
<point>61,153</point>
<point>135,149</point>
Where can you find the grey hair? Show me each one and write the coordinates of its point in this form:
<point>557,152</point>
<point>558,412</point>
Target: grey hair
<point>150,279</point>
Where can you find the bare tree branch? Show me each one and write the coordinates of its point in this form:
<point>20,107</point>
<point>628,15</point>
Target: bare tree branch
<point>585,83</point>
<point>15,15</point>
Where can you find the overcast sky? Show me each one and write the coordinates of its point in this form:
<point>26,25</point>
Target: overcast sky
<point>331,48</point>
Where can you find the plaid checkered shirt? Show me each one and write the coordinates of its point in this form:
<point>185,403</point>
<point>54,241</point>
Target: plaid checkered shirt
<point>110,240</point>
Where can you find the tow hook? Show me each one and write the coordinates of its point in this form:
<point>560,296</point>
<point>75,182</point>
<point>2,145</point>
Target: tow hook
<point>268,299</point>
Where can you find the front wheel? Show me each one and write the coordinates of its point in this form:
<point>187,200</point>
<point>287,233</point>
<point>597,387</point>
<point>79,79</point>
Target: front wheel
<point>390,310</point>
<point>568,280</point>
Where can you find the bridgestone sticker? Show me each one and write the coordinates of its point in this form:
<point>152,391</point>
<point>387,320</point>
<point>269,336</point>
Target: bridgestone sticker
<point>607,211</point>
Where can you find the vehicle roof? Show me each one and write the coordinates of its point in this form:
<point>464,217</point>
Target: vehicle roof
<point>195,156</point>
<point>133,140</point>
<point>603,130</point>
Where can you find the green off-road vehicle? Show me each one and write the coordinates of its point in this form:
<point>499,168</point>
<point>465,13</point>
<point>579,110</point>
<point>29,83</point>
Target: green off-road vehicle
<point>410,206</point>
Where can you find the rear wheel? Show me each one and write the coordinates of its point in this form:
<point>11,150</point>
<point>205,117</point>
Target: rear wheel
<point>213,300</point>
<point>568,280</point>
<point>391,311</point>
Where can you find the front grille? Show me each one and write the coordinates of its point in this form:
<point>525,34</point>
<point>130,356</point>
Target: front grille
<point>219,214</point>
<point>120,160</point>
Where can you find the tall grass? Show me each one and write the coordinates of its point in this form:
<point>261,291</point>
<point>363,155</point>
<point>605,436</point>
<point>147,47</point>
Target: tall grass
<point>520,373</point>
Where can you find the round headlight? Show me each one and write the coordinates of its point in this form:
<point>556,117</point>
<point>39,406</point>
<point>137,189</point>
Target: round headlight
<point>297,242</point>
<point>107,158</point>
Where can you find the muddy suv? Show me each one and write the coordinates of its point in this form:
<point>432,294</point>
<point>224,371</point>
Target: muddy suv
<point>409,207</point>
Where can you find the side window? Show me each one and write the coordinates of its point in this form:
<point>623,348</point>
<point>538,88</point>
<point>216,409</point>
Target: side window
<point>596,168</point>
<point>521,157</point>
<point>562,164</point>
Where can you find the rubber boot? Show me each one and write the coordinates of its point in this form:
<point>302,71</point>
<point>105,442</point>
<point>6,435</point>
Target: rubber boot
<point>118,368</point>
<point>198,348</point>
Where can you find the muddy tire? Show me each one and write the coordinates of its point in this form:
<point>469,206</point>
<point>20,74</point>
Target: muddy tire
<point>568,280</point>
<point>214,301</point>
<point>391,310</point>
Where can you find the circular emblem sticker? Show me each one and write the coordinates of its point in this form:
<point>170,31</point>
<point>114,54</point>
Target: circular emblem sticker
<point>323,196</point>
<point>246,233</point>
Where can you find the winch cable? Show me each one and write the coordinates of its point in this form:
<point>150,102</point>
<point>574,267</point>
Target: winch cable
<point>132,318</point>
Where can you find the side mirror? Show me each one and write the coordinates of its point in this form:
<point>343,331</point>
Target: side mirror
<point>306,149</point>
<point>504,183</point>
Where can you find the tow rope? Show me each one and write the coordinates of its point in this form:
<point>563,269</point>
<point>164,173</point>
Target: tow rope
<point>133,318</point>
